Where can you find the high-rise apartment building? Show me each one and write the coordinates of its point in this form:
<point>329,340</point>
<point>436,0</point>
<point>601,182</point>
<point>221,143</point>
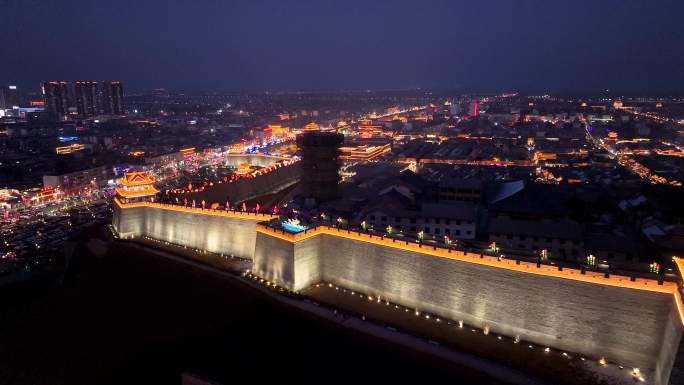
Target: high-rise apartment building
<point>9,97</point>
<point>86,97</point>
<point>112,98</point>
<point>56,97</point>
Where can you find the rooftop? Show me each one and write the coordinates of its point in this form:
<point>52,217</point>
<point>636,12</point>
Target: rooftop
<point>136,179</point>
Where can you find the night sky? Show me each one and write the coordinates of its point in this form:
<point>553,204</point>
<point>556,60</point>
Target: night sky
<point>475,46</point>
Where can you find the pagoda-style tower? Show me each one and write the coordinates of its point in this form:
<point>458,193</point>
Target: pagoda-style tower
<point>136,187</point>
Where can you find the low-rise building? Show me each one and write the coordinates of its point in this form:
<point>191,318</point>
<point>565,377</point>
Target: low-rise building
<point>562,239</point>
<point>456,220</point>
<point>92,177</point>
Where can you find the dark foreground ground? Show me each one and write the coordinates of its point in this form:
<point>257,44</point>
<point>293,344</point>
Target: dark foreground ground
<point>132,318</point>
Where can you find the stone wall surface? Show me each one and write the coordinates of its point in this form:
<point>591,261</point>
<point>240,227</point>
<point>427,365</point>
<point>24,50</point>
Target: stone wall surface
<point>619,323</point>
<point>131,222</point>
<point>637,328</point>
<point>633,327</point>
<point>260,160</point>
<point>213,233</point>
<point>245,189</point>
<point>671,357</point>
<point>274,260</point>
<point>308,262</point>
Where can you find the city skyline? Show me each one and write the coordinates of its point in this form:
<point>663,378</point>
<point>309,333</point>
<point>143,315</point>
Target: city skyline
<point>530,47</point>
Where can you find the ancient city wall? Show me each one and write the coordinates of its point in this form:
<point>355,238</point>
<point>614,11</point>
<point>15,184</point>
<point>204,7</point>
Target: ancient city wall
<point>630,322</point>
<point>228,233</point>
<point>274,258</point>
<point>261,160</point>
<point>635,323</point>
<point>671,351</point>
<point>129,223</point>
<point>245,189</point>
<point>620,323</point>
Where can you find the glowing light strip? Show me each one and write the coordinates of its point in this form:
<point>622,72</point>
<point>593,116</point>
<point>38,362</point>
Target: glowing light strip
<point>197,210</point>
<point>137,193</point>
<point>524,267</point>
<point>259,155</point>
<point>680,265</point>
<point>680,306</point>
<point>678,296</point>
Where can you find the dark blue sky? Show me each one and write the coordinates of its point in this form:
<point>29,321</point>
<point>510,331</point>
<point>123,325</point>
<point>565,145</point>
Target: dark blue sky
<point>530,46</point>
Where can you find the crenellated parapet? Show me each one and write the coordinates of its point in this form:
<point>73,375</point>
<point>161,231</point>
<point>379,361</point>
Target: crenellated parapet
<point>479,259</point>
<point>244,215</point>
<point>635,321</point>
<point>218,231</point>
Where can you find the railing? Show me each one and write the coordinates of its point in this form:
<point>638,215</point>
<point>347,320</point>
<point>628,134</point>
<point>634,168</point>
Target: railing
<point>198,210</point>
<point>267,156</point>
<point>451,253</point>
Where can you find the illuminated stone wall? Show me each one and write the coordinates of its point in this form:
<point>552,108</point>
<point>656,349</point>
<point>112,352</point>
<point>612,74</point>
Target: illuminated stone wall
<point>260,160</point>
<point>214,233</point>
<point>274,259</point>
<point>308,262</point>
<point>245,189</point>
<point>130,223</point>
<point>638,328</point>
<point>671,352</point>
<point>623,324</point>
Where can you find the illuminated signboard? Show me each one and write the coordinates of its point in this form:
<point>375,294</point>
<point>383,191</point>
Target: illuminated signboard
<point>69,149</point>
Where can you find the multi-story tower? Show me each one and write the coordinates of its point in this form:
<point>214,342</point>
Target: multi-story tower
<point>86,97</point>
<point>9,97</point>
<point>112,98</point>
<point>136,187</point>
<point>320,163</point>
<point>56,97</point>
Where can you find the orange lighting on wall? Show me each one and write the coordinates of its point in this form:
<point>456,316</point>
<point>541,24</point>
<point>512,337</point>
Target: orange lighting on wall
<point>590,277</point>
<point>265,156</point>
<point>188,151</point>
<point>197,210</point>
<point>524,267</point>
